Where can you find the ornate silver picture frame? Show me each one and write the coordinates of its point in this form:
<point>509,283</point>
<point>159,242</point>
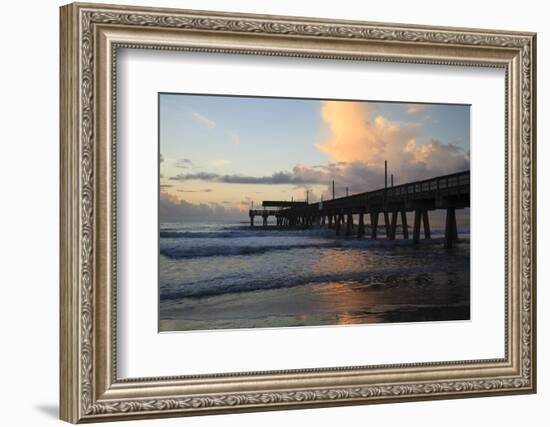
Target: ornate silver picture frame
<point>91,35</point>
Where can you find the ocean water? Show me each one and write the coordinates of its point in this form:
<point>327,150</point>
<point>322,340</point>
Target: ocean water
<point>229,276</point>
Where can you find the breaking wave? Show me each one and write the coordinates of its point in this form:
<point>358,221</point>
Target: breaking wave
<point>186,252</point>
<point>238,284</point>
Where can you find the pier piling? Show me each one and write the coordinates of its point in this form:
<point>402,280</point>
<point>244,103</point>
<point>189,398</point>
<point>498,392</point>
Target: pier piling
<point>374,224</point>
<point>451,232</point>
<point>416,229</point>
<point>387,225</point>
<point>404,226</point>
<point>426,221</point>
<point>349,225</point>
<point>361,225</point>
<point>393,225</point>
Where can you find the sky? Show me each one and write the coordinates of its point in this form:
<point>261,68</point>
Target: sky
<point>219,155</point>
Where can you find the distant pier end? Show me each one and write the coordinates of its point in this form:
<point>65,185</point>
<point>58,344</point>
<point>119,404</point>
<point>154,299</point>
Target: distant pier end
<point>282,204</point>
<point>265,213</point>
<point>448,192</point>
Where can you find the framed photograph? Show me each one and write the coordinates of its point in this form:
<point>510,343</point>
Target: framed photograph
<point>265,212</point>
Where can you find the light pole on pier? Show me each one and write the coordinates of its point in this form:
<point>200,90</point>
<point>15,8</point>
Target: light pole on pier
<point>385,174</point>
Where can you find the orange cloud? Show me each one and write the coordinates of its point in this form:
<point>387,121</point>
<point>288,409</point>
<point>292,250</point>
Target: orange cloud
<point>359,135</point>
<point>353,136</point>
<point>356,136</point>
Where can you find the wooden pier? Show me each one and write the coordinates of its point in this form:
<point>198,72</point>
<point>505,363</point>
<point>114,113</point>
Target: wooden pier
<point>448,192</point>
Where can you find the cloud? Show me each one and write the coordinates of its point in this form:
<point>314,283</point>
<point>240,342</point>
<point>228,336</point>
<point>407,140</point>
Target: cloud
<point>204,120</point>
<point>172,209</point>
<point>429,160</point>
<point>437,158</point>
<point>417,108</point>
<point>184,163</point>
<point>357,176</point>
<point>299,176</point>
<point>360,141</point>
<point>245,204</point>
<point>204,190</point>
<point>355,136</point>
